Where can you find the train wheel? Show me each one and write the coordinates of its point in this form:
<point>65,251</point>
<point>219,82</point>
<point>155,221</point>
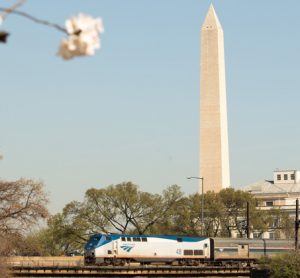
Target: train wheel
<point>197,262</point>
<point>108,262</point>
<point>182,262</point>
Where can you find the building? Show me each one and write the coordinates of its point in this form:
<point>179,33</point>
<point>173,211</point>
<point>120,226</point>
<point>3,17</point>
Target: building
<point>281,192</point>
<point>214,157</point>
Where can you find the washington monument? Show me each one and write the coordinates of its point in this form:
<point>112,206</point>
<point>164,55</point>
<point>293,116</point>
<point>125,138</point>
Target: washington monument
<point>214,157</point>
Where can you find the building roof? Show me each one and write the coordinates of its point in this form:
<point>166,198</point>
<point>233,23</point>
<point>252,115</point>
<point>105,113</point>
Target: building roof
<point>268,187</point>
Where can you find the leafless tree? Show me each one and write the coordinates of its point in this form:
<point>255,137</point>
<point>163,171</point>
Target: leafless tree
<point>22,204</point>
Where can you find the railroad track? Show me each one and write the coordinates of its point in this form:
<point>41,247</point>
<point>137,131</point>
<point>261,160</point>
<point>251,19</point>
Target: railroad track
<point>187,271</point>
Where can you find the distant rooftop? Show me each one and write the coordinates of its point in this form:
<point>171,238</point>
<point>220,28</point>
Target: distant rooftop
<point>285,182</point>
<point>264,187</point>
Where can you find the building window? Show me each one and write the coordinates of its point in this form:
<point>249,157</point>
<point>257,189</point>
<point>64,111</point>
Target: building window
<point>278,177</point>
<point>292,176</point>
<point>269,203</point>
<point>256,235</point>
<point>272,236</point>
<point>285,177</point>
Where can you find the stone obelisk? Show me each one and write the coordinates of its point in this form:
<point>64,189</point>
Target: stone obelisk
<point>214,157</point>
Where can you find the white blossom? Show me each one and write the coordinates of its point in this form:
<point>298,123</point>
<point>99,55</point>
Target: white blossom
<point>84,37</point>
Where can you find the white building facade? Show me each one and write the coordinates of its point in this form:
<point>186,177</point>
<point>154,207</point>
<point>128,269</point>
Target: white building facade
<point>279,193</point>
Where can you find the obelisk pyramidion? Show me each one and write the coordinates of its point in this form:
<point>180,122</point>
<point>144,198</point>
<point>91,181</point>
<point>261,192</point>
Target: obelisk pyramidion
<point>214,157</point>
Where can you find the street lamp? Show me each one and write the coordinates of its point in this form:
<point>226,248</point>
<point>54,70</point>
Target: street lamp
<point>202,198</point>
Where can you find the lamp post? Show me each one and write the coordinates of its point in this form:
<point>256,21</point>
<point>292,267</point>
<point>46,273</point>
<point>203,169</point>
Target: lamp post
<point>202,199</point>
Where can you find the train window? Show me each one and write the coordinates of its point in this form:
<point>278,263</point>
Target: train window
<point>205,245</point>
<point>179,239</point>
<point>188,252</point>
<point>108,237</point>
<point>123,238</point>
<point>144,239</point>
<point>134,239</point>
<point>109,252</point>
<point>96,238</point>
<point>269,203</point>
<point>243,246</point>
<point>129,239</point>
<point>138,239</point>
<point>198,252</point>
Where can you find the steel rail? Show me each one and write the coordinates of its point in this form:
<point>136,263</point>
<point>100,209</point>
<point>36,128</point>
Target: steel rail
<point>159,271</point>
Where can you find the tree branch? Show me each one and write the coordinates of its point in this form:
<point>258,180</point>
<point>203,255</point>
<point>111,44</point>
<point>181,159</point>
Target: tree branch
<point>7,11</point>
<point>34,19</point>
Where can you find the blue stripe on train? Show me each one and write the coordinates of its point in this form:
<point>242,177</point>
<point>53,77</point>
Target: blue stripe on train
<point>175,238</point>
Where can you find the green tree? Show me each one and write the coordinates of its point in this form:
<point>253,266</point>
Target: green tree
<point>234,203</point>
<point>283,265</point>
<point>121,208</point>
<point>124,208</point>
<point>189,215</point>
<point>66,231</point>
<point>214,212</point>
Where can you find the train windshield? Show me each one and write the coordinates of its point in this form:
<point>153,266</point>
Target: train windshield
<point>93,242</point>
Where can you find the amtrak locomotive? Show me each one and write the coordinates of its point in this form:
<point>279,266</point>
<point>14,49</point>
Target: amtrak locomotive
<point>121,249</point>
<point>114,249</point>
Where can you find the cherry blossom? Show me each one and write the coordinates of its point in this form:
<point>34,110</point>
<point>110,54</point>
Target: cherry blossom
<point>83,37</point>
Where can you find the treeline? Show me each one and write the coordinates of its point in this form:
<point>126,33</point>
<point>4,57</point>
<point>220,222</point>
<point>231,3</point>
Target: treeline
<point>124,208</point>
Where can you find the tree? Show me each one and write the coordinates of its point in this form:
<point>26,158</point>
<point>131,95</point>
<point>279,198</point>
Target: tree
<point>166,214</point>
<point>126,209</point>
<point>189,215</point>
<point>234,203</point>
<point>121,208</point>
<point>284,265</point>
<point>214,212</point>
<point>22,204</point>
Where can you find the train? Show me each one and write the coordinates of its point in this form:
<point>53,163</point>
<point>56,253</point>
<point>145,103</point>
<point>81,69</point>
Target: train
<point>124,249</point>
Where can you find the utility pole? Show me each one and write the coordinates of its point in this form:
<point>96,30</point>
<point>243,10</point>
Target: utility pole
<point>248,221</point>
<point>297,222</point>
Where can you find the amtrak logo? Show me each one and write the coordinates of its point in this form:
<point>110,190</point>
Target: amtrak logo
<point>127,247</point>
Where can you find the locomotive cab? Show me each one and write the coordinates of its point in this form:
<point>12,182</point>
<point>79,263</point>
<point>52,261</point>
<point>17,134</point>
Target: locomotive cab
<point>90,249</point>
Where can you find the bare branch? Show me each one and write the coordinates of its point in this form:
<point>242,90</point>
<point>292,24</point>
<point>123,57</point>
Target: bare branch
<point>35,19</point>
<point>7,11</point>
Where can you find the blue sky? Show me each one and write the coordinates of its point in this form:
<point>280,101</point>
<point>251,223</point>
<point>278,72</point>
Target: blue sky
<point>131,112</point>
